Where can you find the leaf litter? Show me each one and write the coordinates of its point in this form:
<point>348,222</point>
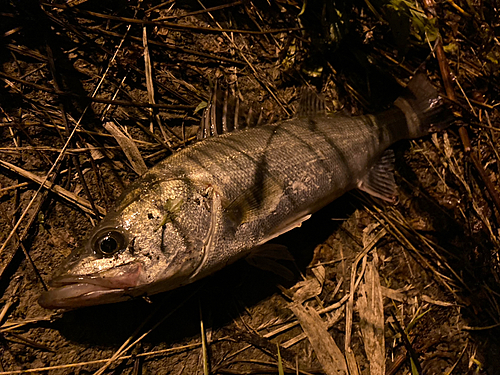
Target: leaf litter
<point>387,289</point>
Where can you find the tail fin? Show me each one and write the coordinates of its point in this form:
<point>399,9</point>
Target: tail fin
<point>424,109</point>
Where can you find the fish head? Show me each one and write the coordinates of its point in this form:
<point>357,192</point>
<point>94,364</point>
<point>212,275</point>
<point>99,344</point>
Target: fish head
<point>151,242</point>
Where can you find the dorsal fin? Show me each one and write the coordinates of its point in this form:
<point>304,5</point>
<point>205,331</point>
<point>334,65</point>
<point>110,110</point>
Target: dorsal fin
<point>211,121</point>
<point>311,103</point>
<point>379,181</point>
<point>224,114</point>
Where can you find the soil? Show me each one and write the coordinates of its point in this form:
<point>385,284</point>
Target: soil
<point>434,254</point>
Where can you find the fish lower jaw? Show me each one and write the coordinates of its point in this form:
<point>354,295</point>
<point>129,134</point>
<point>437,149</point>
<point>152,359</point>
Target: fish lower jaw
<point>76,295</point>
<point>72,291</point>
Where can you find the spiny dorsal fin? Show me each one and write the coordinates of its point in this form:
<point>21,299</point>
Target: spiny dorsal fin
<point>311,103</point>
<point>379,181</point>
<point>211,121</point>
<point>224,114</point>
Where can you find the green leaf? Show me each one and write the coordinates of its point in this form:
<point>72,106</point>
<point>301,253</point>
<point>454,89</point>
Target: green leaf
<point>493,56</point>
<point>201,106</point>
<point>423,29</point>
<point>280,362</point>
<point>414,370</point>
<point>407,21</point>
<point>398,16</point>
<point>314,72</point>
<point>415,320</point>
<point>451,48</point>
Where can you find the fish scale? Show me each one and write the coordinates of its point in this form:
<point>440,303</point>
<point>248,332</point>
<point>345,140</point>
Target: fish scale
<point>319,172</point>
<point>217,200</point>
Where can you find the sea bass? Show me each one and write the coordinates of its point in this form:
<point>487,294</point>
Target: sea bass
<point>212,203</point>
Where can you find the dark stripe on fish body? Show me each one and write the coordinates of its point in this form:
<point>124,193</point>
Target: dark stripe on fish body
<point>314,150</point>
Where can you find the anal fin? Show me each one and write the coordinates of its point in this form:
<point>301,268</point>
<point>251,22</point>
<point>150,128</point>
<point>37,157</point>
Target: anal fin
<point>379,181</point>
<point>266,257</point>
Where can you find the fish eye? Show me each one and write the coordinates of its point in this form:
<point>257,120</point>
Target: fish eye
<point>109,242</point>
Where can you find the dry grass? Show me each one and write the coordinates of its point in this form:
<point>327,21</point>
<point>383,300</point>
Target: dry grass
<point>95,92</point>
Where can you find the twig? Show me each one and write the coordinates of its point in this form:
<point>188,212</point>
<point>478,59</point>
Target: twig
<point>25,251</point>
<point>148,70</point>
<point>28,137</point>
<point>204,344</point>
<point>91,99</point>
<point>11,299</point>
<point>7,259</point>
<point>25,341</point>
<point>5,189</point>
<point>196,12</point>
<point>58,127</point>
<point>333,306</point>
<point>63,193</point>
<point>171,47</point>
<point>250,65</point>
<point>429,6</point>
<point>128,344</point>
<point>10,325</point>
<point>170,25</point>
<point>121,358</point>
<point>14,150</point>
<point>76,161</point>
<point>408,345</point>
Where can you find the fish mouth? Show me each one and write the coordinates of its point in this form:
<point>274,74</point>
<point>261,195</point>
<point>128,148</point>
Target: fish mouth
<point>73,291</point>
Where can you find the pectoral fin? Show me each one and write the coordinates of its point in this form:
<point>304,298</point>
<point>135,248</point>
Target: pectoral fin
<point>287,227</point>
<point>379,181</point>
<point>260,199</point>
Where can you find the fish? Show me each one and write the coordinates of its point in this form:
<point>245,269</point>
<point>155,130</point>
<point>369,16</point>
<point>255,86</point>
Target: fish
<point>218,200</point>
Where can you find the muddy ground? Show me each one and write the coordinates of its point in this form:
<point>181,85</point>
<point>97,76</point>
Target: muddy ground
<point>402,289</point>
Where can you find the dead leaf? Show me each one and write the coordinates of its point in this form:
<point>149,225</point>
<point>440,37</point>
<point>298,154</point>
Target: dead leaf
<point>371,311</point>
<point>328,353</point>
<point>307,289</point>
<point>129,148</point>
